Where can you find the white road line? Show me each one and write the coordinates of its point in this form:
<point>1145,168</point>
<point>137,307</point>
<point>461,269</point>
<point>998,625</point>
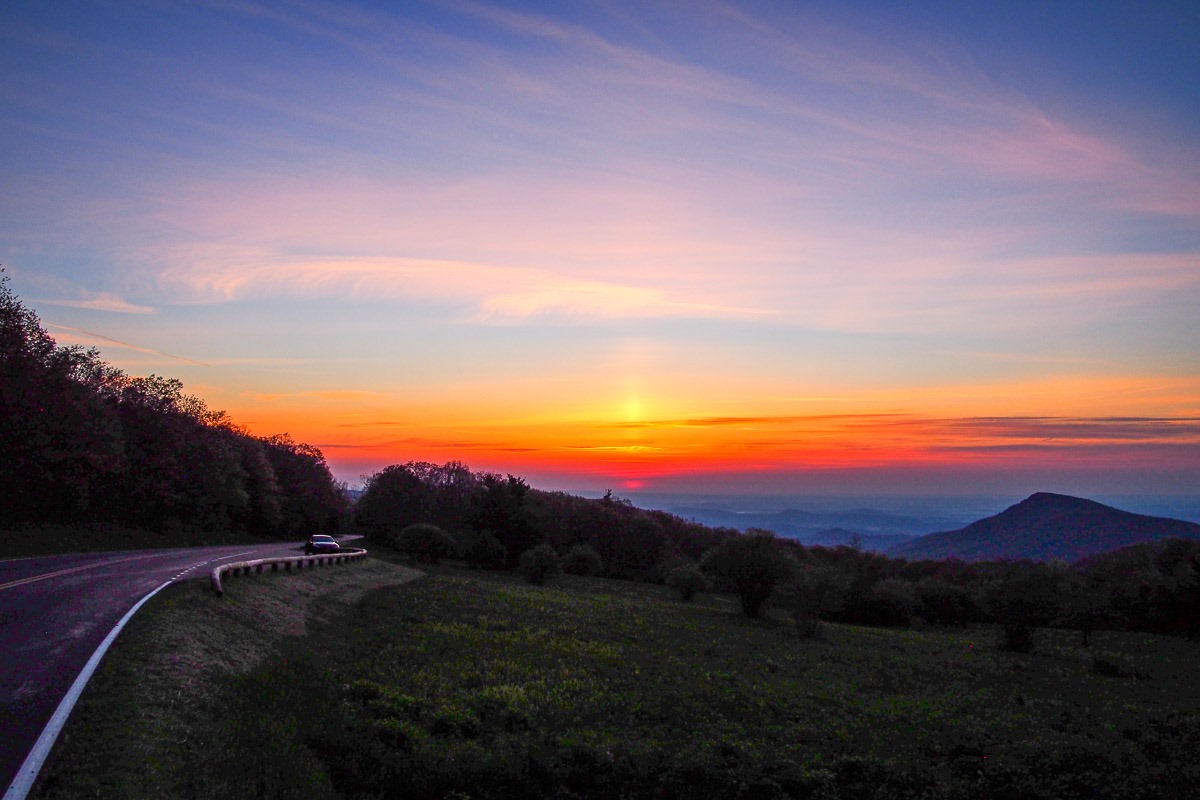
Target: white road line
<point>28,773</point>
<point>29,770</point>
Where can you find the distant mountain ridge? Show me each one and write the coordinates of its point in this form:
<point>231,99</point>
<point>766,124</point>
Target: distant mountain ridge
<point>1046,526</point>
<point>866,527</point>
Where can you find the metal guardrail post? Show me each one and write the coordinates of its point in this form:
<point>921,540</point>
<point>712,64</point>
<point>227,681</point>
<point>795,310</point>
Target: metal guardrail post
<point>257,565</point>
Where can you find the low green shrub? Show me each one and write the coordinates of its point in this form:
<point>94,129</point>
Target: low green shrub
<point>425,542</point>
<point>688,581</point>
<point>538,564</point>
<point>582,559</point>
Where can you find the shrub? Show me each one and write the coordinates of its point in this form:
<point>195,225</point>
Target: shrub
<point>538,564</point>
<point>1024,601</point>
<point>425,542</point>
<point>1016,637</point>
<point>888,603</point>
<point>814,592</point>
<point>481,549</point>
<point>753,564</point>
<point>582,559</point>
<point>943,603</point>
<point>688,581</point>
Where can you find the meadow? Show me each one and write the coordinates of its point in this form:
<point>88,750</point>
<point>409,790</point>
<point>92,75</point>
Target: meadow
<point>470,684</point>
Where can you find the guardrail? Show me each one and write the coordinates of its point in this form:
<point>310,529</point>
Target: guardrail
<point>299,562</point>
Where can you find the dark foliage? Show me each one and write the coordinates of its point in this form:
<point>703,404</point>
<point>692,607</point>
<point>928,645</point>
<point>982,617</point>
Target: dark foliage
<point>752,564</point>
<point>416,492</point>
<point>688,581</point>
<point>582,559</point>
<point>480,549</point>
<point>539,564</point>
<point>503,510</point>
<point>422,541</point>
<point>80,441</point>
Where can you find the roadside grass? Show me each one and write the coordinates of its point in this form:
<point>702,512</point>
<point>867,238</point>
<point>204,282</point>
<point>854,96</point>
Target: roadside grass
<point>40,540</point>
<point>476,685</point>
<point>160,690</point>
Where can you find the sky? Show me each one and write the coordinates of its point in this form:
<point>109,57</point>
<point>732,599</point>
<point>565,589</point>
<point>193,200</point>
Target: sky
<point>771,247</point>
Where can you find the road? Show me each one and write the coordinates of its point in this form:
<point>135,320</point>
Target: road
<point>55,611</point>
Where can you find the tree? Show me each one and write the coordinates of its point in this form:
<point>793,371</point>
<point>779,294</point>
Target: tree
<point>753,564</point>
<point>1028,597</point>
<point>815,591</point>
<point>60,441</point>
<point>418,491</point>
<point>502,510</point>
<point>312,500</point>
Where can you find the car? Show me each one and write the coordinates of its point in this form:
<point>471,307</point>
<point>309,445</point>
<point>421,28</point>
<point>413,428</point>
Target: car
<point>319,543</point>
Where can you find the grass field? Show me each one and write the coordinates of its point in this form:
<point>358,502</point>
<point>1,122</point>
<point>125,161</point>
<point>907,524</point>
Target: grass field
<point>476,685</point>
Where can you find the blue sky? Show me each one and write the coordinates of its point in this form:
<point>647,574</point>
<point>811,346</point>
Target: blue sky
<point>536,237</point>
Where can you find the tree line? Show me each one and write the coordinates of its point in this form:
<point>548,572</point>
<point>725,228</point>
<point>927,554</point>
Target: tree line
<point>435,511</point>
<point>82,441</point>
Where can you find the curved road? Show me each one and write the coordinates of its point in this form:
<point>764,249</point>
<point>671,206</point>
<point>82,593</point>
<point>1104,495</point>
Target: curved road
<point>55,611</point>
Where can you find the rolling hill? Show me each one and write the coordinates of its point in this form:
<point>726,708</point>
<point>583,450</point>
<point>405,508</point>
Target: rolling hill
<point>1045,526</point>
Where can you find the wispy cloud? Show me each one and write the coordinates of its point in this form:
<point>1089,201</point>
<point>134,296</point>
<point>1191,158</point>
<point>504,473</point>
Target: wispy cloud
<point>498,293</point>
<point>102,301</point>
<point>70,335</point>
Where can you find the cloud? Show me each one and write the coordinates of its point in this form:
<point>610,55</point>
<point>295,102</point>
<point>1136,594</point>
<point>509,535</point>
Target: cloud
<point>498,293</point>
<point>81,336</point>
<point>102,301</point>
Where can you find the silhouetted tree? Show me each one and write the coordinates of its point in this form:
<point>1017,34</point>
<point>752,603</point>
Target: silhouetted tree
<point>418,491</point>
<point>502,511</point>
<point>753,564</point>
<point>425,542</point>
<point>814,592</point>
<point>59,440</point>
<point>1029,597</point>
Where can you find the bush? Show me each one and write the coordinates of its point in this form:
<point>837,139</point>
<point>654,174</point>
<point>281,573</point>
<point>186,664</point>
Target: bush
<point>481,550</point>
<point>582,560</point>
<point>538,564</point>
<point>425,542</point>
<point>942,603</point>
<point>888,603</point>
<point>753,564</point>
<point>688,581</point>
<point>814,592</point>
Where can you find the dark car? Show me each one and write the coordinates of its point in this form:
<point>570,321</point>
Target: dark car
<point>319,543</point>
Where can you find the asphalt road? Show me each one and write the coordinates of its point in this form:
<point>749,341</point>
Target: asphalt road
<point>55,611</point>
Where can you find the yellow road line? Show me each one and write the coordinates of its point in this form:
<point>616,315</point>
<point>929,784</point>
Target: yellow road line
<point>69,570</point>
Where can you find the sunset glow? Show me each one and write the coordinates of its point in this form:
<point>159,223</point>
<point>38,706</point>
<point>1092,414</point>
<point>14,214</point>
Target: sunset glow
<point>633,246</point>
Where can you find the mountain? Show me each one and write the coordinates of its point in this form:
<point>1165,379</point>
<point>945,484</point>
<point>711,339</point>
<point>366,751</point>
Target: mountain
<point>835,537</point>
<point>875,530</point>
<point>1045,526</point>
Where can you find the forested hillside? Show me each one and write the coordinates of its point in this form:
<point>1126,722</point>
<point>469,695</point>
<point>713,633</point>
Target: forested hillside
<point>435,511</point>
<point>81,441</point>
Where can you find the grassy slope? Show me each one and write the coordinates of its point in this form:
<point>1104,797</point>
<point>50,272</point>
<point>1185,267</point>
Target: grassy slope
<point>592,671</point>
<point>480,684</point>
<point>151,701</point>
